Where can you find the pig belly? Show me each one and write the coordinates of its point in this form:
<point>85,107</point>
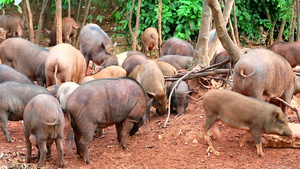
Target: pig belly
<point>235,124</point>
<point>33,139</point>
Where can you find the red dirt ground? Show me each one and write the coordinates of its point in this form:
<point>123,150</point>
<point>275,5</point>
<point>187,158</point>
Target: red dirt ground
<point>180,145</point>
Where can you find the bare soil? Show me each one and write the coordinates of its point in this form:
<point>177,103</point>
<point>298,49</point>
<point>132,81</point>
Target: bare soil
<point>179,145</point>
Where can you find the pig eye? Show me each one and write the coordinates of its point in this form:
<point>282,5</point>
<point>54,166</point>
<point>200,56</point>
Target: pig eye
<point>281,121</point>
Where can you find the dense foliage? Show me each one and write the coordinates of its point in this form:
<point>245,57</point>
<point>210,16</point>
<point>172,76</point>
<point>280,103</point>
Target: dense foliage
<point>179,18</point>
<point>182,18</point>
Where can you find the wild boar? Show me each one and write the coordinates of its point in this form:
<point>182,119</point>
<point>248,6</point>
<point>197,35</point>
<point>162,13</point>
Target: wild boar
<point>64,92</point>
<point>175,46</point>
<point>64,64</point>
<point>105,102</point>
<point>109,72</point>
<point>13,99</point>
<point>95,45</point>
<point>263,74</point>
<point>8,73</point>
<point>222,56</point>
<point>151,78</point>
<point>26,57</point>
<point>149,40</point>
<point>2,34</point>
<point>131,62</point>
<point>237,110</point>
<point>180,97</point>
<point>288,50</point>
<point>118,59</point>
<point>178,61</point>
<point>13,25</point>
<point>43,124</point>
<point>69,32</point>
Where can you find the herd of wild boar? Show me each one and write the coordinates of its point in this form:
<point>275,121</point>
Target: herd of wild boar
<point>39,86</point>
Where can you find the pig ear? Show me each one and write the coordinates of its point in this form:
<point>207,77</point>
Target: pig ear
<point>151,95</point>
<point>276,115</point>
<point>189,92</point>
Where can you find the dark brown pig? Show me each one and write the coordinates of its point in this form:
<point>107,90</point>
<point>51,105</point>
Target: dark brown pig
<point>13,99</point>
<point>8,73</point>
<point>69,32</point>
<point>149,40</point>
<point>178,61</point>
<point>175,46</point>
<point>43,124</point>
<point>264,74</point>
<point>118,59</point>
<point>297,85</point>
<point>105,102</point>
<point>131,62</point>
<point>244,112</point>
<point>289,50</point>
<point>25,57</point>
<point>222,56</point>
<point>180,97</point>
<point>151,78</point>
<point>64,64</point>
<point>14,25</point>
<point>95,45</point>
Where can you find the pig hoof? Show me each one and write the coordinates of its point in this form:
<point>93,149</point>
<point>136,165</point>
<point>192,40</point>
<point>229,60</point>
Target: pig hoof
<point>11,140</point>
<point>125,147</point>
<point>210,150</point>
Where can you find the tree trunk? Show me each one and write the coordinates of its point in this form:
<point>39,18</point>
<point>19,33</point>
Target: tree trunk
<point>86,13</point>
<point>280,33</point>
<point>292,25</point>
<point>31,32</point>
<point>24,9</point>
<point>232,49</point>
<point>231,30</point>
<point>236,31</point>
<point>201,55</point>
<point>270,39</point>
<point>226,13</point>
<point>48,22</point>
<point>298,20</point>
<point>129,21</point>
<point>78,11</point>
<point>137,21</point>
<point>159,27</point>
<point>58,22</point>
<point>69,11</point>
<point>41,21</point>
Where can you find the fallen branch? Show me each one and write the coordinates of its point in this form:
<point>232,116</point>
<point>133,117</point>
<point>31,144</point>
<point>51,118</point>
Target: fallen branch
<point>188,75</point>
<point>288,105</point>
<point>172,91</point>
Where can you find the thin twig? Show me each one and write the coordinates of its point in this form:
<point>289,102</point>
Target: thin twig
<point>287,104</point>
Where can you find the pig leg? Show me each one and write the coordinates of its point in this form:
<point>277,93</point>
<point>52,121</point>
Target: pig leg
<point>86,139</point>
<point>60,151</point>
<point>127,127</point>
<point>4,126</point>
<point>136,127</point>
<point>78,144</point>
<point>42,152</point>
<point>210,120</point>
<point>49,153</point>
<point>257,140</point>
<point>28,146</point>
<point>119,128</point>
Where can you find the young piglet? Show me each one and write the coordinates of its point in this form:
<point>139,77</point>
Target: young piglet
<point>244,112</point>
<point>44,123</point>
